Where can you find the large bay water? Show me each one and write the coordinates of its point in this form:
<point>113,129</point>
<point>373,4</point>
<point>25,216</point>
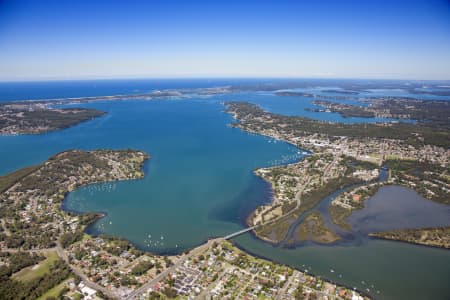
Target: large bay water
<point>199,184</point>
<point>199,181</point>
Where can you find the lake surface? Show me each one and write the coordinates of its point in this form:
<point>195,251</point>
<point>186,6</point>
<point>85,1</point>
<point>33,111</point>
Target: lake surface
<point>396,207</point>
<point>199,184</point>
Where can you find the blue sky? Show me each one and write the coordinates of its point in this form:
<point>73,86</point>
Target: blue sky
<point>122,39</point>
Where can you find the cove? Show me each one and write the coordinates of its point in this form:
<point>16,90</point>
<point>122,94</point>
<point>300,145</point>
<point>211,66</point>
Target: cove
<point>199,181</point>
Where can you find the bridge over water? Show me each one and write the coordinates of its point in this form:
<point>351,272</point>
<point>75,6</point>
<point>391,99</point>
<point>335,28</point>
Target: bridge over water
<point>235,234</point>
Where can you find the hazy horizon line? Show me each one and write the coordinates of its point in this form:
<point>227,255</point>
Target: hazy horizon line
<point>56,79</point>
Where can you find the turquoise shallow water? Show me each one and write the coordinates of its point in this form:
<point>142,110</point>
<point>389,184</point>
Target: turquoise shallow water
<point>199,184</point>
<point>199,181</point>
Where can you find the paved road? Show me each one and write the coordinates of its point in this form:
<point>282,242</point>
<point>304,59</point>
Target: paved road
<point>328,167</point>
<point>286,285</point>
<point>135,294</point>
<point>62,254</point>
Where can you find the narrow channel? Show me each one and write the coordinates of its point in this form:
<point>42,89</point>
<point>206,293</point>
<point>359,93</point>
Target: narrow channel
<point>322,208</point>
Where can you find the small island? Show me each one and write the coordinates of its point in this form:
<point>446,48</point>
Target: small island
<point>341,91</point>
<point>293,94</point>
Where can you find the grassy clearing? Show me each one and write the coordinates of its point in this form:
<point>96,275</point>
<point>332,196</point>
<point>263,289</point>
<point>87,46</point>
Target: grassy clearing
<point>86,237</point>
<point>55,291</point>
<point>38,270</point>
<point>398,157</point>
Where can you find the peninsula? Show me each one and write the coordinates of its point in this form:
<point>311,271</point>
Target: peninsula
<point>342,155</point>
<point>434,113</point>
<point>33,226</point>
<point>435,237</point>
<point>36,118</point>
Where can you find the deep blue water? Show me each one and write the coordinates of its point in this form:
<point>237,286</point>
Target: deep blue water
<point>199,183</point>
<point>79,88</point>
